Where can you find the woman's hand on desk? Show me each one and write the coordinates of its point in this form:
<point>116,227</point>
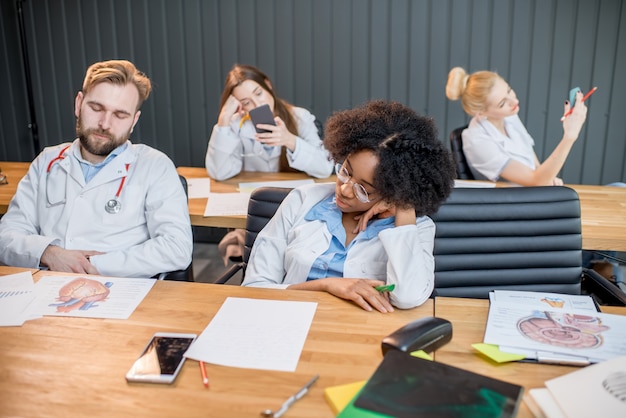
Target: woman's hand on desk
<point>360,291</point>
<point>70,261</point>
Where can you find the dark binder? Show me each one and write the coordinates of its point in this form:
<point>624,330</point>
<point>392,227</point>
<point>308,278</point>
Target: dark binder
<point>407,386</point>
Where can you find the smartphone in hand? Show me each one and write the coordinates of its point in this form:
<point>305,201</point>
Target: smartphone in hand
<point>572,96</point>
<point>262,115</point>
<point>162,359</point>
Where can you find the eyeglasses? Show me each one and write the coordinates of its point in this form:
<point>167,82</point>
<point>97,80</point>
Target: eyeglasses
<point>3,178</point>
<point>344,177</point>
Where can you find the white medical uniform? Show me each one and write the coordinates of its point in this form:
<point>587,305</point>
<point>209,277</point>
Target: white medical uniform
<point>488,151</point>
<point>286,248</point>
<point>151,233</point>
<point>233,149</point>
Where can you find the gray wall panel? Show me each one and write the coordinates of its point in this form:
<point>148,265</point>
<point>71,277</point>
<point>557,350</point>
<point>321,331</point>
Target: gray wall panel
<point>324,55</point>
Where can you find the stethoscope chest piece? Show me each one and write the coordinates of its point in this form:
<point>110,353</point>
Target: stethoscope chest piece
<point>113,206</point>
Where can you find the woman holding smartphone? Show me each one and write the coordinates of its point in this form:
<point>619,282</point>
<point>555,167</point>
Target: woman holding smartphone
<point>498,147</point>
<point>496,144</point>
<point>292,144</point>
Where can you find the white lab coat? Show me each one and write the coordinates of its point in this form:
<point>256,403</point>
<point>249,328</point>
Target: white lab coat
<point>151,234</point>
<point>233,149</point>
<point>488,151</point>
<point>286,248</point>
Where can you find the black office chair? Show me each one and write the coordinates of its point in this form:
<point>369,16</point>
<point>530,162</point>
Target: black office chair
<point>185,275</point>
<point>262,205</point>
<point>320,128</point>
<point>515,238</point>
<point>463,171</point>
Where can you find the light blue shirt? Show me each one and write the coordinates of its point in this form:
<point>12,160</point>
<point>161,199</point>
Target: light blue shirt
<point>330,263</point>
<point>90,170</point>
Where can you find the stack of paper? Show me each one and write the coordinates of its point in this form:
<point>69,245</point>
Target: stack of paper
<point>595,391</point>
<point>16,294</point>
<point>554,328</point>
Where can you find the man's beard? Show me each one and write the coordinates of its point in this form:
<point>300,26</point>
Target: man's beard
<point>98,147</point>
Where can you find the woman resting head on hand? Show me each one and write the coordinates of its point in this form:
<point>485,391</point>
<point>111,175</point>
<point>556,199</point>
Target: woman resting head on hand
<point>292,144</point>
<point>371,227</point>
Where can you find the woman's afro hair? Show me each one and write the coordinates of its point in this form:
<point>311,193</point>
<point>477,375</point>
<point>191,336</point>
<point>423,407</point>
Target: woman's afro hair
<point>415,169</point>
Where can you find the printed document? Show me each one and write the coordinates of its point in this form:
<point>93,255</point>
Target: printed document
<point>16,294</point>
<point>89,296</point>
<point>551,326</point>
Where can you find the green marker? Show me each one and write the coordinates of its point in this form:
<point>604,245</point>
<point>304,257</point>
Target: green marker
<point>385,288</point>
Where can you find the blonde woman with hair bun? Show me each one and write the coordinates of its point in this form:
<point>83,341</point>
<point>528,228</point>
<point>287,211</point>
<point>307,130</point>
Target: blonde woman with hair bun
<point>496,144</point>
<point>498,147</point>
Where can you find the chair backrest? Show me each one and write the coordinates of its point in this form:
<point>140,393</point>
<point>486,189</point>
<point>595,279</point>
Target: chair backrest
<point>516,238</point>
<point>262,205</point>
<point>463,170</point>
<point>320,128</point>
<point>185,275</point>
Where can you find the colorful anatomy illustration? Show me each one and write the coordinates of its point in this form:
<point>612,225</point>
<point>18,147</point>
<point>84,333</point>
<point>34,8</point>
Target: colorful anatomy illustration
<point>563,329</point>
<point>82,294</point>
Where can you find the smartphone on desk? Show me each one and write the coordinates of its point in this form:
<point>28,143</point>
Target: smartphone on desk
<point>162,358</point>
<point>262,114</point>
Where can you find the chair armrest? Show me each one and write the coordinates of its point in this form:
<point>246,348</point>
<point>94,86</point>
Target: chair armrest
<point>177,275</point>
<point>228,274</point>
<point>602,290</point>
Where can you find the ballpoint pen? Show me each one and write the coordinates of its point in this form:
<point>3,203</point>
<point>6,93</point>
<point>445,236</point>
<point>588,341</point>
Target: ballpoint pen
<point>205,379</point>
<point>585,97</point>
<point>268,413</point>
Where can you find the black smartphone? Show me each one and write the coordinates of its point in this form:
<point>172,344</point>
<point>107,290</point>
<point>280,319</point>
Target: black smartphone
<point>162,359</point>
<point>262,114</point>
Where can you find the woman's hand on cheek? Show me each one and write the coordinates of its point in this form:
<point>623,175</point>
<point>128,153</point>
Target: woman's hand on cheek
<point>379,209</point>
<point>230,110</point>
<point>360,291</point>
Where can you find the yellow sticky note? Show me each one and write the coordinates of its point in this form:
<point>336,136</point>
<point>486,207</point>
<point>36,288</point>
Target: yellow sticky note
<point>421,354</point>
<point>493,352</point>
<point>339,396</point>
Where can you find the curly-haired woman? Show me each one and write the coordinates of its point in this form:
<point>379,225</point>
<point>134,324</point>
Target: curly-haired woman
<point>369,228</point>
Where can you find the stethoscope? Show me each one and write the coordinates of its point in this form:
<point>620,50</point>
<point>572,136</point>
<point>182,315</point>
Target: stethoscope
<point>112,206</point>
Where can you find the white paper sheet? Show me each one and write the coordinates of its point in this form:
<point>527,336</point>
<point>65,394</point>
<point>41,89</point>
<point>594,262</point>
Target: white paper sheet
<point>71,296</point>
<point>544,300</point>
<point>249,187</point>
<point>595,391</point>
<point>16,294</point>
<point>255,334</point>
<point>227,204</point>
<point>474,184</point>
<point>198,187</point>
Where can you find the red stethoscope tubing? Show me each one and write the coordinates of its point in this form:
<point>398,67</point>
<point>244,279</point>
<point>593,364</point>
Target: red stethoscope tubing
<point>61,157</point>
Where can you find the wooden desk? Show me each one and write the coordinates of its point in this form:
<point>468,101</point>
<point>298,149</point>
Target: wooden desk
<point>469,319</point>
<point>14,172</point>
<point>70,367</point>
<point>603,216</point>
<point>603,209</point>
<point>5,270</point>
<point>197,206</point>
